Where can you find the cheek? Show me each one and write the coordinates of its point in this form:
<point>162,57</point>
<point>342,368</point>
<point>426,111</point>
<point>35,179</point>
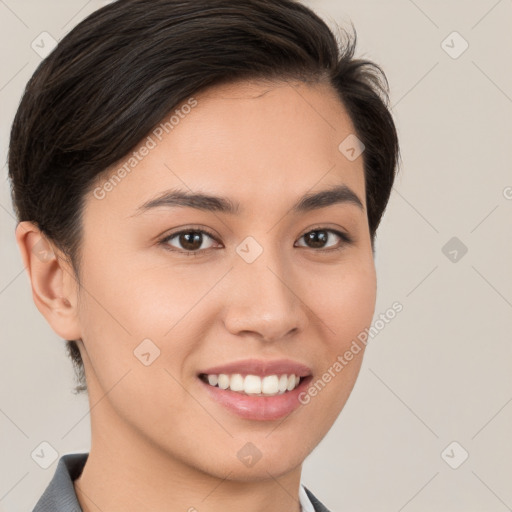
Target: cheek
<point>344,300</point>
<point>124,302</point>
<point>141,298</point>
<point>127,313</point>
<point>357,296</point>
<point>345,304</point>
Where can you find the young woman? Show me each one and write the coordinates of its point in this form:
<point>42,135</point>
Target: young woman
<point>198,185</point>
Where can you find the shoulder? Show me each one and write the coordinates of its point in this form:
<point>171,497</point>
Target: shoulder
<point>59,495</point>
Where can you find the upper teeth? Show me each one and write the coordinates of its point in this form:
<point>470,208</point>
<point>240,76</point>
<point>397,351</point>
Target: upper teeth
<point>254,384</point>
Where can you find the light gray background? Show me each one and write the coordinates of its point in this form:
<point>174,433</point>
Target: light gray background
<point>440,371</point>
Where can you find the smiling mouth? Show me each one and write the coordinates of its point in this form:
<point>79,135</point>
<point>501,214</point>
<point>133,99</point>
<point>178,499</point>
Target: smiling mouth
<point>253,385</point>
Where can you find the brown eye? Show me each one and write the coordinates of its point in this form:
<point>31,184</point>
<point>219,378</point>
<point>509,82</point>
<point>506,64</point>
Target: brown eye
<point>189,241</point>
<point>318,238</point>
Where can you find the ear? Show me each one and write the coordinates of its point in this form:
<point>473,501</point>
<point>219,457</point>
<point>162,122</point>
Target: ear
<point>54,285</point>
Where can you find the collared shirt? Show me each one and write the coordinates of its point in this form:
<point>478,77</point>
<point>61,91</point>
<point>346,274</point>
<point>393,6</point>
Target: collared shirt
<point>60,495</point>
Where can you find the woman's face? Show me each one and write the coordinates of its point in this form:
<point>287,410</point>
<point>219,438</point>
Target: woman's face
<point>271,281</point>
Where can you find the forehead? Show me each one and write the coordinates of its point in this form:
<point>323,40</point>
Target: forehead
<point>256,142</point>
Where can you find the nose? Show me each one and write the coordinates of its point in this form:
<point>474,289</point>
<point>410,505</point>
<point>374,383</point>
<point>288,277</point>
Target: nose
<point>264,299</point>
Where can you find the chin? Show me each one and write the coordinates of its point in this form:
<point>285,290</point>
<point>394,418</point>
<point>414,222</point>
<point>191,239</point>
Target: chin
<point>257,458</point>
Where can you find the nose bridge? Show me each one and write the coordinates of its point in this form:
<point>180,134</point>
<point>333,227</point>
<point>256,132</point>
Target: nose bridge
<point>263,300</point>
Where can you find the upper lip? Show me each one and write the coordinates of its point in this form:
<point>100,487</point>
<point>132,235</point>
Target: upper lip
<point>261,367</point>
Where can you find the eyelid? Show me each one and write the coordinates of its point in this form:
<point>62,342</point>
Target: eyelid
<point>187,229</point>
<point>322,227</point>
<point>346,239</point>
<point>163,241</point>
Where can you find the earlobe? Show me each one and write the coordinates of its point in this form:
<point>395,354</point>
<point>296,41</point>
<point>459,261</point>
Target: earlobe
<point>54,287</point>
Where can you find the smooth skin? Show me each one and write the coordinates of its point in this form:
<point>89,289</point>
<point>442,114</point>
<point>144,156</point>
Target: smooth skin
<point>159,443</point>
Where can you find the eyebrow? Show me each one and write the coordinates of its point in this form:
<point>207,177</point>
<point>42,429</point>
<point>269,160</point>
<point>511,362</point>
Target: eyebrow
<point>339,194</point>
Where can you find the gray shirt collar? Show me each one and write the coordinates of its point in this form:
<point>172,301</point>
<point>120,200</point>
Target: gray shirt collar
<point>60,495</point>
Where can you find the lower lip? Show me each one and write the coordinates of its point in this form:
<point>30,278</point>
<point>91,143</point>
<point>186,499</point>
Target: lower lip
<point>262,408</point>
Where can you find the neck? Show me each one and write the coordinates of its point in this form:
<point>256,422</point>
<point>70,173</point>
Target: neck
<point>126,472</point>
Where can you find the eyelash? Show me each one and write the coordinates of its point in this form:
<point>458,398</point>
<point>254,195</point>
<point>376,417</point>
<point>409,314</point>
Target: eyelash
<point>346,240</point>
